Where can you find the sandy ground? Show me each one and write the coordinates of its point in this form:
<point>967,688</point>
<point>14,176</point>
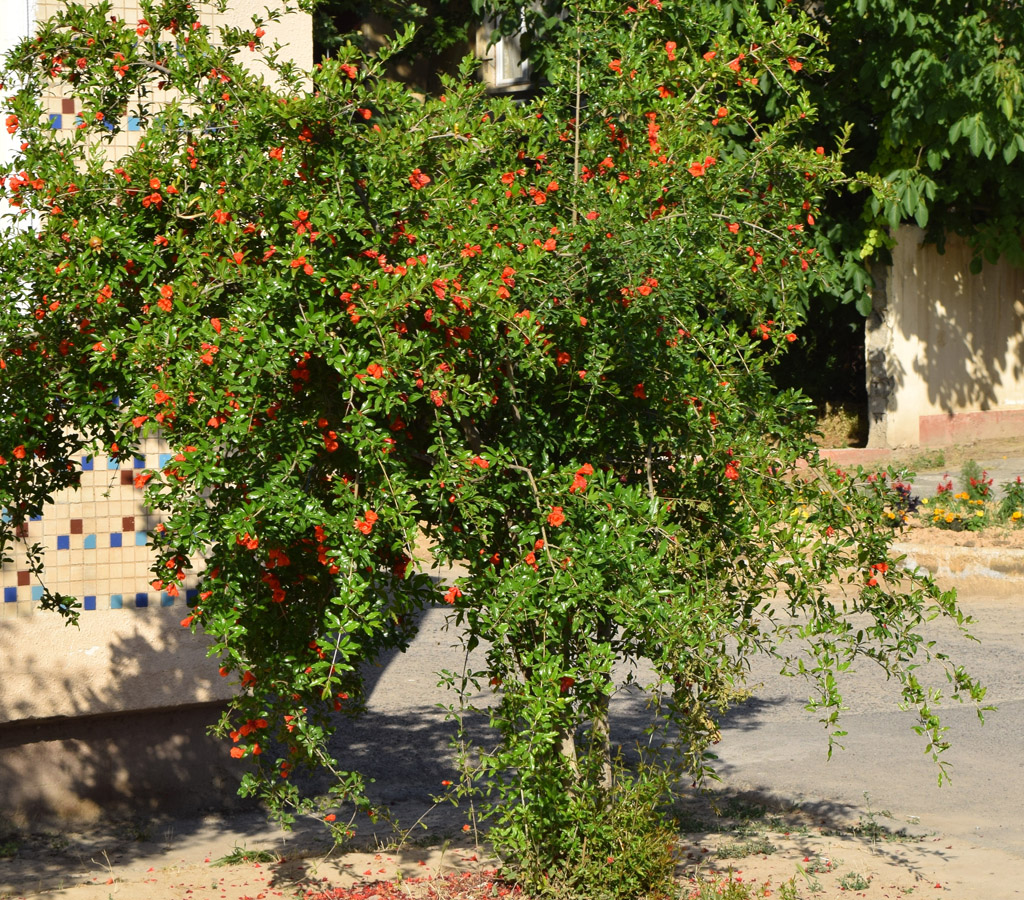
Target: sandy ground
<point>820,863</point>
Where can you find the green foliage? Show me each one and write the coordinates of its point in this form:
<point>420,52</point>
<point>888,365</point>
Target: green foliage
<point>242,855</point>
<point>759,846</point>
<point>854,881</point>
<point>728,888</point>
<point>938,113</point>
<point>602,844</point>
<point>1011,507</point>
<point>977,484</point>
<point>543,331</point>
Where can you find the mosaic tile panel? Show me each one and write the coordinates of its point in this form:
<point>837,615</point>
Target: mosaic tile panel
<point>95,542</point>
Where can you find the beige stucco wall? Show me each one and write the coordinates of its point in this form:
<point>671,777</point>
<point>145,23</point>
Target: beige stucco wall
<point>115,661</point>
<point>947,346</point>
<point>293,31</point>
<point>129,652</point>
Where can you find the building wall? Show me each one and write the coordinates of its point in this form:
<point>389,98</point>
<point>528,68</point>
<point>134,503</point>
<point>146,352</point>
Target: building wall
<point>945,348</point>
<point>112,713</point>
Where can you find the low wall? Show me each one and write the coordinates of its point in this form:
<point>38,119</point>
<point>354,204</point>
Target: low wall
<point>945,348</point>
<point>132,765</point>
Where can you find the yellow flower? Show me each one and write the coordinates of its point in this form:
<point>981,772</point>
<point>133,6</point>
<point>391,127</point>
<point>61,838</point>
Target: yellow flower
<point>924,502</point>
<point>950,517</point>
<point>1016,514</point>
<point>979,513</point>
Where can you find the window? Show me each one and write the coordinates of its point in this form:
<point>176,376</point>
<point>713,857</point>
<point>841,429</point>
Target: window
<point>504,69</point>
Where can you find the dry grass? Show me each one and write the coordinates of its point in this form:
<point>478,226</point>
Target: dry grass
<point>845,425</point>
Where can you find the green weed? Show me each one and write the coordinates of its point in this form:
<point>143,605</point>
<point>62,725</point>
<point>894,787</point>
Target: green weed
<point>854,881</point>
<point>242,855</point>
<point>728,888</point>
<point>933,459</point>
<point>754,847</point>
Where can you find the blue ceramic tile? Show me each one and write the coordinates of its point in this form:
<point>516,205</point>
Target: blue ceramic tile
<point>165,458</point>
<point>166,599</point>
<point>116,601</point>
<point>115,539</point>
<point>56,121</point>
<point>140,538</point>
<point>64,542</point>
<point>87,463</point>
<point>37,592</point>
<point>10,595</point>
<point>141,599</point>
<point>139,462</point>
<point>90,542</point>
<point>133,123</point>
<point>89,602</point>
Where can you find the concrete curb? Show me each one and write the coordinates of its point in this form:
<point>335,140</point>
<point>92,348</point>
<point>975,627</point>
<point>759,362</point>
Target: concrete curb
<point>1003,564</point>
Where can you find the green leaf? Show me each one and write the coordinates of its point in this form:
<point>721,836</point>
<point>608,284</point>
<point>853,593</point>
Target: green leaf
<point>977,136</point>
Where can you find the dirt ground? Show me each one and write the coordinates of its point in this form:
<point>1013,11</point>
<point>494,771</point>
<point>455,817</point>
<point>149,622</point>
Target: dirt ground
<point>871,860</point>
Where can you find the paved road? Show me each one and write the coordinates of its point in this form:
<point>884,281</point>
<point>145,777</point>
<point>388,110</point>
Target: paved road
<point>771,744</point>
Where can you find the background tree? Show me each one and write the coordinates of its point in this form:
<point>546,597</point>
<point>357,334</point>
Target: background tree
<point>542,331</point>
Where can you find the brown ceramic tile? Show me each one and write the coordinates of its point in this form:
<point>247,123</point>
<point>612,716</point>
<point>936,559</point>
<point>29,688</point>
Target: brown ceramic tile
<point>128,523</point>
<point>127,477</point>
<point>67,106</point>
<point>76,526</point>
<point>23,578</point>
